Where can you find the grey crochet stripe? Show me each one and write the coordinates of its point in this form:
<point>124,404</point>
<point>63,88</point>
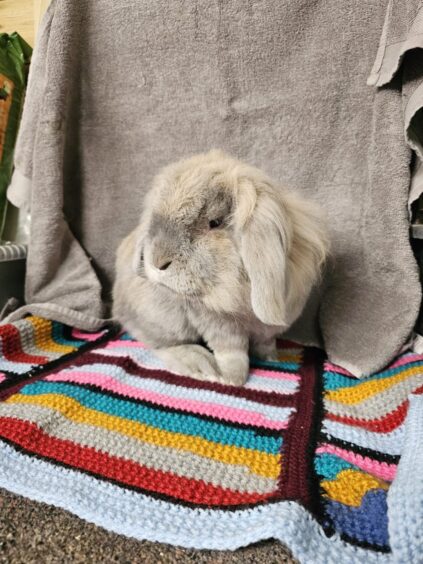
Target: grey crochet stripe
<point>27,336</point>
<point>12,251</point>
<point>236,477</point>
<point>379,404</point>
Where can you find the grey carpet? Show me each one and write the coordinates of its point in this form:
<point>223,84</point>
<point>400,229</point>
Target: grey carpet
<point>36,533</point>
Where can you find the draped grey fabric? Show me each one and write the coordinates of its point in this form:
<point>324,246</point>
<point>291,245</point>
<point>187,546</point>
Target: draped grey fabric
<point>119,89</point>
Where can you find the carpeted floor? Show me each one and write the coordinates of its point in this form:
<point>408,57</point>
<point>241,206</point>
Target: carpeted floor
<point>32,532</point>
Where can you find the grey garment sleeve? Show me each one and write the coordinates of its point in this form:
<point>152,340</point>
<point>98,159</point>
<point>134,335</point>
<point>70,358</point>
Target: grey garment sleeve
<point>34,96</point>
<point>19,190</point>
<point>61,282</point>
<point>416,186</point>
<point>20,187</point>
<point>400,58</point>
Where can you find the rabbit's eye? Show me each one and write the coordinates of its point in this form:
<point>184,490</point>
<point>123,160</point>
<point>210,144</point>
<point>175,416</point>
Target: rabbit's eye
<point>214,223</point>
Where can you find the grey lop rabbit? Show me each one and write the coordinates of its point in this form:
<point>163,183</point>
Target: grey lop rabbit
<point>222,255</point>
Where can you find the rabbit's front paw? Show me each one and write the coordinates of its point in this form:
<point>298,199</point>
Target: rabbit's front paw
<point>266,350</point>
<point>269,356</point>
<point>234,367</point>
<point>194,361</point>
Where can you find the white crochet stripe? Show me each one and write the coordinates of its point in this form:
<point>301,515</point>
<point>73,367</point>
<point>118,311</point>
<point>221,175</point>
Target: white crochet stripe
<point>272,385</point>
<point>145,358</point>
<point>388,443</point>
<point>10,366</point>
<point>140,516</point>
<point>140,355</point>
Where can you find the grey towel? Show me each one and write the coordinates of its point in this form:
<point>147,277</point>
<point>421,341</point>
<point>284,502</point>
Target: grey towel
<point>119,89</point>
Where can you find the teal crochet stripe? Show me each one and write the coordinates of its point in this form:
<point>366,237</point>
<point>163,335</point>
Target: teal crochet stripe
<point>328,466</point>
<point>333,380</point>
<point>174,422</point>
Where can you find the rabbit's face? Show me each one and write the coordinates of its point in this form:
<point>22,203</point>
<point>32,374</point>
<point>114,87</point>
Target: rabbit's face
<point>220,231</point>
<point>189,244</point>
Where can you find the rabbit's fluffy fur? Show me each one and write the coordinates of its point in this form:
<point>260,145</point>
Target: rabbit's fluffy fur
<point>222,255</point>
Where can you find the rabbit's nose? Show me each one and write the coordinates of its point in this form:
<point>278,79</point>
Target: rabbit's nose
<point>165,265</point>
<point>162,255</point>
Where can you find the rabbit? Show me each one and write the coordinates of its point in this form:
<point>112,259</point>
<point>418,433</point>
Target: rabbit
<point>222,255</point>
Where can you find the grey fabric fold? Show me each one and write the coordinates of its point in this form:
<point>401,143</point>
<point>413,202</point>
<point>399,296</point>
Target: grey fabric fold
<point>117,91</point>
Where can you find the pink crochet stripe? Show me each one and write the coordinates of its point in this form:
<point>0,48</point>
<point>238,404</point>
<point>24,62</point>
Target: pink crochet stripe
<point>235,415</point>
<point>2,376</point>
<point>381,470</point>
<point>329,367</point>
<point>125,344</point>
<point>76,334</point>
<point>405,359</point>
<point>275,375</point>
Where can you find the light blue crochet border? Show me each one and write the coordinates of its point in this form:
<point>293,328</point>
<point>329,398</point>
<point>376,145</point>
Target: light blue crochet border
<point>405,496</point>
<point>137,515</point>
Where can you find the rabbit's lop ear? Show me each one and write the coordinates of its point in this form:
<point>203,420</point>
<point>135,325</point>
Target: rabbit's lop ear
<point>283,245</point>
<point>265,239</point>
<point>141,232</point>
<point>137,256</point>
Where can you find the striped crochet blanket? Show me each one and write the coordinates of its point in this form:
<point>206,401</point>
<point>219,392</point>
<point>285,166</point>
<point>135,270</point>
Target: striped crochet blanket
<point>304,452</point>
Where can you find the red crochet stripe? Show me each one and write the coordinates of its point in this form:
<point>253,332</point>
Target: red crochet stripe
<point>12,348</point>
<point>126,472</point>
<point>385,424</point>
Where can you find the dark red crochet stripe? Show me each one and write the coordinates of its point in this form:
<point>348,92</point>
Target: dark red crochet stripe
<point>12,347</point>
<point>285,344</point>
<point>127,472</point>
<point>297,452</point>
<point>127,364</point>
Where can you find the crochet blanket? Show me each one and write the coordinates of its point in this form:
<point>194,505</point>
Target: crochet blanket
<point>304,452</point>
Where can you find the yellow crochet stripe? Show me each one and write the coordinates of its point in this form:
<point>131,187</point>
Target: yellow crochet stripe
<point>350,486</point>
<point>350,396</point>
<point>43,340</point>
<point>260,463</point>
